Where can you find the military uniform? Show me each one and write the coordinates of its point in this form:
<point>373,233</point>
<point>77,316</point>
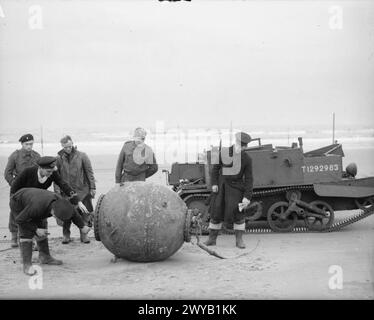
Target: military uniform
<point>231,190</point>
<point>32,206</point>
<point>17,162</point>
<point>76,169</point>
<point>234,178</point>
<point>29,179</point>
<point>135,163</point>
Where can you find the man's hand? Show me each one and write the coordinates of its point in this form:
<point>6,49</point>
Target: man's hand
<point>215,188</point>
<point>86,229</point>
<point>41,232</point>
<point>92,193</point>
<point>246,201</point>
<point>82,207</point>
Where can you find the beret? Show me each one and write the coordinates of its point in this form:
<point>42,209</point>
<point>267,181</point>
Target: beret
<point>63,209</point>
<point>46,162</point>
<point>243,137</point>
<point>26,137</point>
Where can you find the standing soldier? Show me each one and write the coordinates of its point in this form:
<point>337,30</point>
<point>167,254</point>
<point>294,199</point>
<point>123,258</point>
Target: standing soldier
<point>75,168</point>
<point>31,207</point>
<point>17,161</point>
<point>232,181</point>
<point>136,161</point>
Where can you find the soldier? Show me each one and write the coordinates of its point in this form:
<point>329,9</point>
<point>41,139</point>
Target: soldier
<point>17,161</point>
<point>75,168</point>
<point>31,207</point>
<point>232,181</point>
<point>42,176</point>
<point>136,161</point>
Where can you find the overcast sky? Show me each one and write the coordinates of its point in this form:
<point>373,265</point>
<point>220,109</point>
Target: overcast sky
<point>199,63</point>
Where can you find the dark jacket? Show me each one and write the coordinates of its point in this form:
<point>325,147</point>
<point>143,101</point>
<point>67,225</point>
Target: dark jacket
<point>29,179</point>
<point>135,164</point>
<point>76,169</point>
<point>17,162</point>
<point>237,176</point>
<point>31,206</point>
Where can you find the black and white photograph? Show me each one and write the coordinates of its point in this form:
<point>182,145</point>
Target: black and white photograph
<point>215,150</point>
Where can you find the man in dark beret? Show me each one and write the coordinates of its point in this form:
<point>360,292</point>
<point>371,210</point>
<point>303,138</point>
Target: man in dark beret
<point>31,207</point>
<point>42,176</point>
<point>17,162</point>
<point>232,181</point>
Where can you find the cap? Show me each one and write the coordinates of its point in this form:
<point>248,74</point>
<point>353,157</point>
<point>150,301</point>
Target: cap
<point>47,162</point>
<point>26,137</point>
<point>140,133</point>
<point>243,137</point>
<point>63,209</point>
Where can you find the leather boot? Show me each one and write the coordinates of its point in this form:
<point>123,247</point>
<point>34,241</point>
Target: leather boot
<point>239,239</point>
<point>84,237</point>
<point>44,254</point>
<point>14,241</point>
<point>26,255</point>
<point>212,237</point>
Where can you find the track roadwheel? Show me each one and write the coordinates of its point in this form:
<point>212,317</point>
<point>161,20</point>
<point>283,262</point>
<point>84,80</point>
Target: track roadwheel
<point>319,224</point>
<point>364,203</point>
<point>96,217</point>
<point>275,221</point>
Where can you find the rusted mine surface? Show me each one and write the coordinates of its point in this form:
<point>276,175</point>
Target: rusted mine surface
<point>142,221</point>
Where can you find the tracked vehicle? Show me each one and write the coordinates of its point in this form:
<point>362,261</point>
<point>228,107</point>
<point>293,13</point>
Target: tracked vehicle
<point>298,191</point>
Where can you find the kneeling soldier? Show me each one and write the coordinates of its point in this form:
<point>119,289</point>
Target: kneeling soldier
<point>31,206</point>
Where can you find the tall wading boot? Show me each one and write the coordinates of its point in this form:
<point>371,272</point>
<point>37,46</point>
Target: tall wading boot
<point>14,240</point>
<point>66,236</point>
<point>239,239</point>
<point>44,254</point>
<point>212,237</point>
<point>66,232</point>
<point>26,255</point>
<point>84,236</point>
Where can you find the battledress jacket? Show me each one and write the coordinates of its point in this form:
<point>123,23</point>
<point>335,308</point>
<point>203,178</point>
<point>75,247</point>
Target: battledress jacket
<point>241,179</point>
<point>76,169</point>
<point>129,170</point>
<point>29,179</point>
<point>32,206</point>
<point>17,162</point>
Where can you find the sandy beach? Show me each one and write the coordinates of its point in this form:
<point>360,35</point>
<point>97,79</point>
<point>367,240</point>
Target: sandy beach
<point>274,266</point>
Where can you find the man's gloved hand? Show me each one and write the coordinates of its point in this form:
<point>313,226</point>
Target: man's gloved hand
<point>42,232</point>
<point>92,193</point>
<point>215,188</point>
<point>246,201</point>
<point>86,229</point>
<point>82,207</point>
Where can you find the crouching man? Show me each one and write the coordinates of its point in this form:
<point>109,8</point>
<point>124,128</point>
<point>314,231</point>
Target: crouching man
<point>32,206</point>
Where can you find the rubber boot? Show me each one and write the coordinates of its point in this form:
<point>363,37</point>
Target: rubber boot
<point>44,254</point>
<point>26,255</point>
<point>84,237</point>
<point>14,241</point>
<point>35,245</point>
<point>66,232</point>
<point>239,239</point>
<point>212,237</point>
<point>66,236</point>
